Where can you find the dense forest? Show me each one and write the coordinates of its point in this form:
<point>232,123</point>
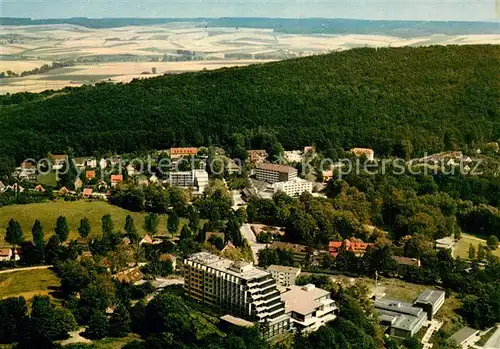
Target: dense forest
<point>286,25</point>
<point>428,98</point>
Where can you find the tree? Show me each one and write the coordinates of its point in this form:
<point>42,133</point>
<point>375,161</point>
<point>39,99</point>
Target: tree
<point>62,229</point>
<point>48,322</point>
<point>12,311</point>
<point>492,242</point>
<point>151,222</point>
<point>107,225</point>
<point>130,226</point>
<point>168,313</point>
<point>173,223</point>
<point>472,252</point>
<point>84,228</point>
<point>186,233</point>
<point>38,236</point>
<point>481,253</point>
<point>14,234</point>
<point>120,322</point>
<point>98,326</point>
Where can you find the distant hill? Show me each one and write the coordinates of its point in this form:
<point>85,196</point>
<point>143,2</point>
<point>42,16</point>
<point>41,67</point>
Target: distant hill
<point>288,25</point>
<point>395,100</point>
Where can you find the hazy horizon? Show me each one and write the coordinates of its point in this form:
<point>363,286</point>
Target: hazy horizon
<point>468,10</point>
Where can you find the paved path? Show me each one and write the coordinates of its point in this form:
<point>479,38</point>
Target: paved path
<point>27,268</point>
<point>494,341</point>
<point>247,233</point>
<point>433,327</point>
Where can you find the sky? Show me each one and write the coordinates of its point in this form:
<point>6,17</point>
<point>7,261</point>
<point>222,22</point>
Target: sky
<point>460,10</point>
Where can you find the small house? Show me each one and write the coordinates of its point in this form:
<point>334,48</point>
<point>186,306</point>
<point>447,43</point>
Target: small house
<point>5,254</point>
<point>39,188</point>
<point>116,179</point>
<point>171,258</point>
<point>87,193</point>
<point>90,175</point>
<point>78,183</point>
<point>63,191</point>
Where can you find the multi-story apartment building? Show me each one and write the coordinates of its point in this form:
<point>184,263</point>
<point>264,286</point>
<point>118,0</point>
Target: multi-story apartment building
<point>294,187</point>
<point>237,288</point>
<point>284,276</point>
<point>196,179</point>
<point>273,173</point>
<point>309,307</point>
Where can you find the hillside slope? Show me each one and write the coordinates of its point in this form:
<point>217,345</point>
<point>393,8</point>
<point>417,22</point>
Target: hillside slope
<point>394,99</point>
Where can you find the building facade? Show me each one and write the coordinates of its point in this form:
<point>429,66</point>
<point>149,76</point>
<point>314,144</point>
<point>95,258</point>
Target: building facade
<point>294,187</point>
<point>404,320</point>
<point>284,276</point>
<point>176,153</point>
<point>273,173</point>
<point>197,179</point>
<point>236,288</point>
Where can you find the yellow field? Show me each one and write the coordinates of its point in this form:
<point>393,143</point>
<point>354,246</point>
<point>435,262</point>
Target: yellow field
<point>121,54</point>
<point>462,247</point>
<point>28,283</point>
<point>48,213</point>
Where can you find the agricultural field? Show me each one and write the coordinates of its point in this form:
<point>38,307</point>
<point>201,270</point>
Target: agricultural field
<point>48,213</point>
<point>28,283</point>
<point>122,54</point>
<point>462,246</point>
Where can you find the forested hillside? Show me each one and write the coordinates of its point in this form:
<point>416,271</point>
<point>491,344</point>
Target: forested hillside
<point>395,100</point>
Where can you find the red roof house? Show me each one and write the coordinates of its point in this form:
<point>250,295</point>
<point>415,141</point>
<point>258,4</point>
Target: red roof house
<point>359,248</point>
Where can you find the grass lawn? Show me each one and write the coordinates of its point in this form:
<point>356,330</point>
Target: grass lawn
<point>48,212</point>
<point>462,247</point>
<point>48,179</point>
<point>398,289</point>
<point>28,283</point>
<point>113,343</point>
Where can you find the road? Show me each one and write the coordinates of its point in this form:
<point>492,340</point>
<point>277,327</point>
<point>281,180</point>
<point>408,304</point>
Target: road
<point>494,341</point>
<point>247,233</point>
<point>434,326</point>
<point>24,269</point>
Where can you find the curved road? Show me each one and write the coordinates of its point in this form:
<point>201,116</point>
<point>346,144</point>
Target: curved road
<point>27,268</point>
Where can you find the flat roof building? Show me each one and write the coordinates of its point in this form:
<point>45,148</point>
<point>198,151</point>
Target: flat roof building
<point>273,173</point>
<point>284,276</point>
<point>196,179</point>
<point>431,301</point>
<point>293,187</point>
<point>466,337</point>
<point>404,319</point>
<point>309,307</point>
<point>236,288</point>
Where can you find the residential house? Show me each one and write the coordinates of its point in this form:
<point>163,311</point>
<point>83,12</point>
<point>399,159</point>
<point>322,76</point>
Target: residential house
<point>39,188</point>
<point>233,167</point>
<point>446,243</point>
<point>58,161</point>
<point>466,337</point>
<point>284,276</point>
<point>90,175</point>
<point>129,276</point>
<point>2,187</point>
<point>176,153</point>
<point>308,307</point>
<point>147,239</point>
<point>142,181</point>
<point>16,187</point>
<point>359,248</point>
<point>257,156</point>
<point>78,183</point>
<point>5,254</point>
<point>116,179</point>
<point>153,179</point>
<point>63,191</point>
<point>171,258</point>
<point>299,251</point>
<point>87,193</point>
<point>92,162</point>
<point>131,171</point>
<point>309,149</point>
<point>101,185</point>
<point>412,262</point>
<point>366,152</point>
<point>80,162</point>
<point>103,163</point>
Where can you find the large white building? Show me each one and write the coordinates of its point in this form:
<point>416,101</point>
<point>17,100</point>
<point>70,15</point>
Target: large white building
<point>293,187</point>
<point>196,179</point>
<point>274,173</point>
<point>284,276</point>
<point>236,288</point>
<point>309,307</point>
